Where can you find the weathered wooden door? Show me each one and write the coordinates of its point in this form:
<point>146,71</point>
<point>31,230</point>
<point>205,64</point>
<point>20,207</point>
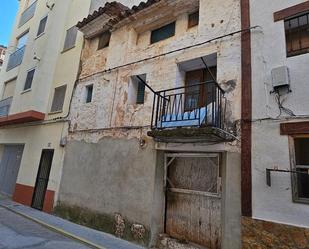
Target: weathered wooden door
<point>193,198</point>
<point>42,179</point>
<point>9,168</point>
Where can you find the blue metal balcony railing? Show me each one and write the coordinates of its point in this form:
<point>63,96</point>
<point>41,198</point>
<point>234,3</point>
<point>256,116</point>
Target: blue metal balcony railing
<point>5,105</point>
<point>27,14</point>
<point>16,58</point>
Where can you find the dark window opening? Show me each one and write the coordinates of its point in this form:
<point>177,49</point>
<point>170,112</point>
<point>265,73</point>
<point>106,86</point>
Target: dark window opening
<point>58,99</point>
<point>29,79</point>
<point>297,35</point>
<point>193,19</point>
<point>163,33</point>
<point>89,92</point>
<point>140,96</point>
<point>104,40</point>
<point>301,179</point>
<point>42,26</point>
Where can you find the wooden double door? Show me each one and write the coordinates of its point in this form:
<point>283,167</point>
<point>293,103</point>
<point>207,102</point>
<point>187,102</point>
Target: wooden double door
<point>193,198</point>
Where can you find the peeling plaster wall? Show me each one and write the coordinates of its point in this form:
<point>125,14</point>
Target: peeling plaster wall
<point>110,106</point>
<point>104,157</point>
<point>270,149</point>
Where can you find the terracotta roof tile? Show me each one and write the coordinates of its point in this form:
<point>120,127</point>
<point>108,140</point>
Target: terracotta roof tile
<point>118,10</point>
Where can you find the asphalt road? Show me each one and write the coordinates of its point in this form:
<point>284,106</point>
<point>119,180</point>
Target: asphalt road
<point>17,232</point>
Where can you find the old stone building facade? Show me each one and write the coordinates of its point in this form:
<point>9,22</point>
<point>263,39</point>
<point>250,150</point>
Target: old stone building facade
<point>124,155</point>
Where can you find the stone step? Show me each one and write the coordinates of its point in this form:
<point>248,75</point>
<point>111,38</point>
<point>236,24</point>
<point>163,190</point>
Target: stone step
<point>166,242</point>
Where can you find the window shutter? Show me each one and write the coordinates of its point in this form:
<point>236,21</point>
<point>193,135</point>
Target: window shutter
<point>140,96</point>
<point>193,19</point>
<point>42,26</point>
<point>29,79</point>
<point>70,38</point>
<point>58,99</point>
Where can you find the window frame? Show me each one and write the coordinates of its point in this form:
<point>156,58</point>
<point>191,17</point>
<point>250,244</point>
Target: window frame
<point>87,100</point>
<point>299,51</point>
<point>66,46</point>
<point>44,18</point>
<point>161,28</point>
<point>28,72</point>
<point>192,24</point>
<point>106,44</point>
<point>63,100</point>
<point>294,167</point>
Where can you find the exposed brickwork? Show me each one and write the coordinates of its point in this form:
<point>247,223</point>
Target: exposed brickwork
<point>267,235</point>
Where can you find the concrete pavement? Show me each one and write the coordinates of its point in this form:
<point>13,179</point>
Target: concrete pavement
<point>17,232</point>
<point>83,235</point>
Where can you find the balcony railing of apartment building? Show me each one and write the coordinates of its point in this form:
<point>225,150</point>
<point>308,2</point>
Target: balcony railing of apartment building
<point>200,106</point>
<point>16,58</point>
<point>27,14</point>
<point>5,105</point>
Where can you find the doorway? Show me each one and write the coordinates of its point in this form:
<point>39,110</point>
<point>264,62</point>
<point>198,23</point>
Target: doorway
<point>42,179</point>
<point>9,168</point>
<point>193,198</point>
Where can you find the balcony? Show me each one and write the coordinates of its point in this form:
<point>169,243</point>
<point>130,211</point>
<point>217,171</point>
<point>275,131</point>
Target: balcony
<point>27,14</point>
<point>5,107</point>
<point>16,58</point>
<point>190,113</point>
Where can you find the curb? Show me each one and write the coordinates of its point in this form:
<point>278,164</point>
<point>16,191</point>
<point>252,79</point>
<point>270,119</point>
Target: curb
<point>55,229</point>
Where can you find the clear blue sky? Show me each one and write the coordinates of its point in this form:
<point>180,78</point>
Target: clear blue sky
<point>7,17</point>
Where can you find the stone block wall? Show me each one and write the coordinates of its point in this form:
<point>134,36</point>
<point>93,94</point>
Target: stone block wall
<point>257,234</point>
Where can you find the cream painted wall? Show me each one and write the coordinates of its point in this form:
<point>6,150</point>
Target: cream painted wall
<point>269,148</point>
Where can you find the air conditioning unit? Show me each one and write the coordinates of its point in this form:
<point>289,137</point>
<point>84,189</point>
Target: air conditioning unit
<point>280,78</point>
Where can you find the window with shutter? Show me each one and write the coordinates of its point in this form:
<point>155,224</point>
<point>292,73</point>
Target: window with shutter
<point>140,96</point>
<point>300,180</point>
<point>59,97</point>
<point>163,33</point>
<point>42,26</point>
<point>29,79</point>
<point>193,19</point>
<point>70,38</point>
<point>297,35</point>
<point>104,40</point>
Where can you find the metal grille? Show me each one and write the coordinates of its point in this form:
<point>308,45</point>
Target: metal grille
<point>42,179</point>
<point>297,35</point>
<point>58,99</point>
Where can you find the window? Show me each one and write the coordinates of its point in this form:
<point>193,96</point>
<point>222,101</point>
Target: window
<point>137,89</point>
<point>22,40</point>
<point>58,99</point>
<point>89,92</point>
<point>70,38</point>
<point>297,35</point>
<point>42,26</point>
<point>104,40</point>
<point>29,79</point>
<point>193,19</point>
<point>163,33</point>
<point>301,180</point>
<point>9,89</point>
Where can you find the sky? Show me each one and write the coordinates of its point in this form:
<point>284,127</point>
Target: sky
<point>8,10</point>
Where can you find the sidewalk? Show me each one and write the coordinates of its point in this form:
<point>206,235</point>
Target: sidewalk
<point>90,237</point>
